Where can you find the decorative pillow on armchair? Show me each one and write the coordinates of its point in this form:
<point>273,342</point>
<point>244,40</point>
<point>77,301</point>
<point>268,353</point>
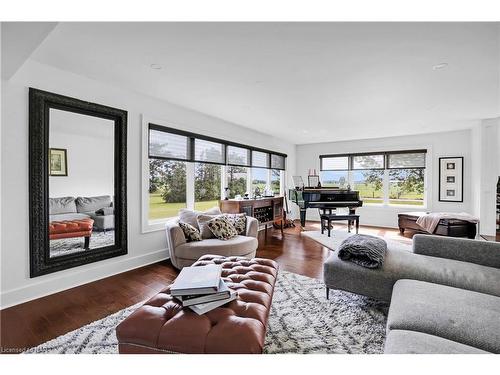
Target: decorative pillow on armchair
<point>222,228</point>
<point>191,217</point>
<point>202,221</point>
<point>239,222</point>
<point>190,233</point>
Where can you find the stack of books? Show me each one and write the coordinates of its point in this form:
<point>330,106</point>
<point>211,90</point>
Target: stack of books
<point>201,288</point>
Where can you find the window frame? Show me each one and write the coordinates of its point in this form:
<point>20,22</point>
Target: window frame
<point>155,124</point>
<point>386,177</point>
<point>192,136</point>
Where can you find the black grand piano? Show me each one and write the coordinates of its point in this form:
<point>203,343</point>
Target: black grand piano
<point>324,199</point>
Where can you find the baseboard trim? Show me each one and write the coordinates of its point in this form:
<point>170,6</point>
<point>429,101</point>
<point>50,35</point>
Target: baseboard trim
<point>44,288</point>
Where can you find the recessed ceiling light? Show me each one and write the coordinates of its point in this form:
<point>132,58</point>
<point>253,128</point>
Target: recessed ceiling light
<point>439,66</point>
<point>156,66</point>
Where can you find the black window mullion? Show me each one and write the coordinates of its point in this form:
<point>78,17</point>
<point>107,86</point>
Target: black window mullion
<point>191,149</point>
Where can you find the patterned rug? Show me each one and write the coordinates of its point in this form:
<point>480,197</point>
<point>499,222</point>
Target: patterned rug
<point>302,320</point>
<point>67,246</point>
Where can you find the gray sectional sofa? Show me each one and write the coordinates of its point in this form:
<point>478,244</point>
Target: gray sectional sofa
<point>99,208</point>
<point>444,294</point>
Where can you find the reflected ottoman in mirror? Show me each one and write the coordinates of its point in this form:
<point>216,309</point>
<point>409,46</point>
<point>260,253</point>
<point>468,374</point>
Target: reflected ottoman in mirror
<point>79,224</point>
<point>77,182</point>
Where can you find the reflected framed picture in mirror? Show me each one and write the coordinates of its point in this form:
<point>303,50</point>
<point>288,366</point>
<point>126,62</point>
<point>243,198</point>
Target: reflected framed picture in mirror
<point>81,218</point>
<point>58,162</point>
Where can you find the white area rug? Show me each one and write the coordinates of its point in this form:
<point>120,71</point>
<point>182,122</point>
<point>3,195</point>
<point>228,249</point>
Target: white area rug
<point>302,320</point>
<point>337,236</point>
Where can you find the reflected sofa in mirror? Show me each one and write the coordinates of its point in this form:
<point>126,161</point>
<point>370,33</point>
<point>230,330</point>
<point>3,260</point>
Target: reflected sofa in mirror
<point>77,182</point>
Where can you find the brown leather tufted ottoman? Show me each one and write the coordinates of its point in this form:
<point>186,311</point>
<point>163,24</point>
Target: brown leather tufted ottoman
<point>70,229</point>
<point>161,325</point>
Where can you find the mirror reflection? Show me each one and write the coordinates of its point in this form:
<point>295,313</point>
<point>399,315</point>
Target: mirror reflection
<point>81,183</point>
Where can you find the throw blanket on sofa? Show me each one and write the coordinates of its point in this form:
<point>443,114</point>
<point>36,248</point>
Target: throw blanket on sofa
<point>364,250</point>
<point>429,222</point>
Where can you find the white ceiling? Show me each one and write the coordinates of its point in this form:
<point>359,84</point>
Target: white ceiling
<point>304,82</point>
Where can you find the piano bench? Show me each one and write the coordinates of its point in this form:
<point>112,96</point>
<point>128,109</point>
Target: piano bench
<point>328,218</point>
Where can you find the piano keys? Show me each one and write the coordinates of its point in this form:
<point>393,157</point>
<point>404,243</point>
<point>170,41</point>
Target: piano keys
<point>324,199</point>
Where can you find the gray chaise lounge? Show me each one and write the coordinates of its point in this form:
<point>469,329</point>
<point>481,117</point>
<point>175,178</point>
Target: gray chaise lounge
<point>445,294</point>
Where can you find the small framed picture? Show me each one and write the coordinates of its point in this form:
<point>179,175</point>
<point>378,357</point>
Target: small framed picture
<point>313,181</point>
<point>58,163</point>
<point>451,179</point>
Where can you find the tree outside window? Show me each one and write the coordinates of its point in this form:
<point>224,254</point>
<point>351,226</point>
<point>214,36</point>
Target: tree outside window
<point>369,183</point>
<point>167,184</point>
<point>406,186</point>
<point>276,181</point>
<point>207,184</point>
<point>236,180</point>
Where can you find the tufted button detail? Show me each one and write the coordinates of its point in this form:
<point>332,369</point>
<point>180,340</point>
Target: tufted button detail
<point>162,325</point>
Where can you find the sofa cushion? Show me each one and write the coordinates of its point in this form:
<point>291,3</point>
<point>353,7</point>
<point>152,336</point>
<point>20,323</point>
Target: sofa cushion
<point>92,204</point>
<point>63,205</point>
<point>190,216</point>
<point>75,216</point>
<point>222,228</point>
<point>103,222</point>
<point>460,315</point>
<point>402,264</point>
<point>190,232</point>
<point>411,342</point>
<point>237,246</point>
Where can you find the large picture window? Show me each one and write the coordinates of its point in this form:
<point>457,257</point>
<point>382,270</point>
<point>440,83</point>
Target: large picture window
<point>260,179</point>
<point>207,185</point>
<point>276,181</point>
<point>369,183</point>
<point>236,181</point>
<point>338,179</point>
<point>393,178</point>
<point>187,170</point>
<point>167,188</point>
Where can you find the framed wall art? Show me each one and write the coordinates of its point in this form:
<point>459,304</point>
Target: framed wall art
<point>58,162</point>
<point>451,179</point>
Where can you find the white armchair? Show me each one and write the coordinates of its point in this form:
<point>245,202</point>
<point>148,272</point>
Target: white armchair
<point>184,254</point>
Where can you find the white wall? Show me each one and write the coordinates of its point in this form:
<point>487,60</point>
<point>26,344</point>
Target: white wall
<point>143,248</point>
<point>488,134</point>
<point>89,143</point>
<point>437,144</point>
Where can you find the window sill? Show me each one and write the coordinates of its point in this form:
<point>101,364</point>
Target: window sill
<point>156,225</point>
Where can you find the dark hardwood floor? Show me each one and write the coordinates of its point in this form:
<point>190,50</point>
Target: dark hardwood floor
<point>32,323</point>
<point>492,238</point>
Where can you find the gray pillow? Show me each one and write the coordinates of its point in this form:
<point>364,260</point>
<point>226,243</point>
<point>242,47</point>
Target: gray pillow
<point>92,204</point>
<point>203,225</point>
<point>189,216</point>
<point>105,211</point>
<point>63,205</point>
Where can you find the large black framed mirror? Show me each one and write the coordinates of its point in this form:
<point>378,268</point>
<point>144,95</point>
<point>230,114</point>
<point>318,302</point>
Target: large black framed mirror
<point>78,182</point>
